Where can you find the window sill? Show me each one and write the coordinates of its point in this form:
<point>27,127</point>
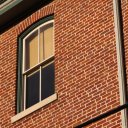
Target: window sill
<point>34,108</point>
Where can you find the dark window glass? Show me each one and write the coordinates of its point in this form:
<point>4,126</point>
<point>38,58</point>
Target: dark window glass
<point>47,77</point>
<point>32,89</point>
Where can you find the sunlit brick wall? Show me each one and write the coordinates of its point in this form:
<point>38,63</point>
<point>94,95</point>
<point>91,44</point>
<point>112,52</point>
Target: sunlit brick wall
<point>86,78</point>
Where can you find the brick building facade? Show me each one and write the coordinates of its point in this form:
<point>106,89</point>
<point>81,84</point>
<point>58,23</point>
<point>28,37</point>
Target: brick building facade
<point>90,58</point>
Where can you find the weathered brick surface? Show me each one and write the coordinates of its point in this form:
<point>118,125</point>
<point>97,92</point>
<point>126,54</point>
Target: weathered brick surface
<point>85,66</point>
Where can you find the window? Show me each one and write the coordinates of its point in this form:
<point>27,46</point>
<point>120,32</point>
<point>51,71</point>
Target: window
<point>38,65</point>
<point>36,73</point>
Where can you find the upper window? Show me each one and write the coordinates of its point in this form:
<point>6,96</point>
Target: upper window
<point>36,76</point>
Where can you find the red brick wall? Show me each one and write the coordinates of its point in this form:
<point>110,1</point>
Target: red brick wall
<point>125,30</point>
<point>85,67</point>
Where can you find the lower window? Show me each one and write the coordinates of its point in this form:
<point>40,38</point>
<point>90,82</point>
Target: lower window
<point>39,85</point>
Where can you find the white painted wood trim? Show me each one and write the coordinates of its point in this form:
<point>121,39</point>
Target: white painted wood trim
<point>34,108</point>
<point>121,77</point>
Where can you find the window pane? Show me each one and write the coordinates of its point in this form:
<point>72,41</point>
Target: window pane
<point>31,50</point>
<point>46,42</point>
<point>47,77</point>
<point>32,89</point>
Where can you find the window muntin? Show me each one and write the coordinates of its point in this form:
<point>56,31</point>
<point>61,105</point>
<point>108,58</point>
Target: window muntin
<point>38,65</point>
